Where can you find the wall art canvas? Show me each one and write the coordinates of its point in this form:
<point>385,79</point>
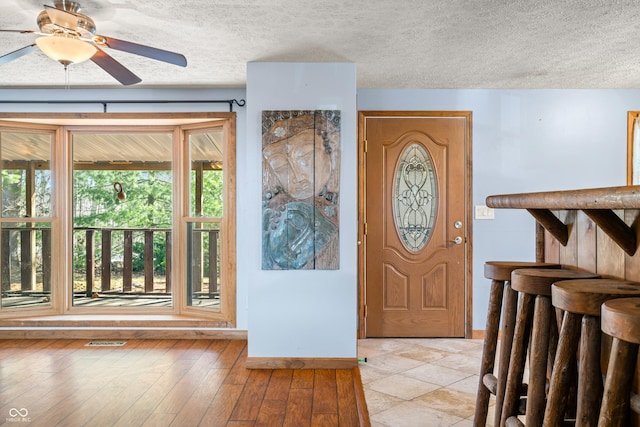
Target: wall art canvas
<point>300,190</point>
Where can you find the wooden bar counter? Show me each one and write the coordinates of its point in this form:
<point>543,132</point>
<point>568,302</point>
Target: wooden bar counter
<point>595,230</point>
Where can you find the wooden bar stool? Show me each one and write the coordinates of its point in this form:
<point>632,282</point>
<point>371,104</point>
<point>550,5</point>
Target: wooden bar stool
<point>621,320</point>
<point>500,274</point>
<point>581,301</point>
<point>534,288</point>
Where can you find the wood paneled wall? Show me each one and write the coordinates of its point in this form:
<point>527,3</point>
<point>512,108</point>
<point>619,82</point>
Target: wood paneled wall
<point>590,249</point>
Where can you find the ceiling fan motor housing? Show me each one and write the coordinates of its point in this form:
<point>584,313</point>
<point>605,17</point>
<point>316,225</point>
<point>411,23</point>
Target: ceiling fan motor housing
<point>69,6</point>
<point>83,26</point>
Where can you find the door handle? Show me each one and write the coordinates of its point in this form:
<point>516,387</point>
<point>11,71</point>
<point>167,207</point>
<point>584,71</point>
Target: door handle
<point>457,240</point>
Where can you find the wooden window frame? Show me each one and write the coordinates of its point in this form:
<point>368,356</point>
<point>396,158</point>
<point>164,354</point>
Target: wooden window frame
<point>179,123</point>
<point>631,118</point>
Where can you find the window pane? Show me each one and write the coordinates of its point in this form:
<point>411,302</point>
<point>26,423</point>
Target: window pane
<point>26,265</point>
<point>415,198</point>
<point>26,174</point>
<point>206,182</point>
<point>203,278</point>
<point>122,188</point>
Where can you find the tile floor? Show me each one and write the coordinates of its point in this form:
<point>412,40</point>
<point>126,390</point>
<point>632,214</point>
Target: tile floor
<point>420,382</point>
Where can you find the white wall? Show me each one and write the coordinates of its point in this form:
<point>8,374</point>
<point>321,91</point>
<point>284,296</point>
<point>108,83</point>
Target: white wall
<point>305,313</point>
<point>526,140</point>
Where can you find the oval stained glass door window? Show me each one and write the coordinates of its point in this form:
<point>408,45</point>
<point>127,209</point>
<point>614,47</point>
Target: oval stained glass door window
<point>415,197</point>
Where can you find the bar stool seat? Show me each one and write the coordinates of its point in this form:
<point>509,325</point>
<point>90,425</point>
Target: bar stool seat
<point>581,301</point>
<point>536,319</point>
<point>620,319</point>
<point>499,272</point>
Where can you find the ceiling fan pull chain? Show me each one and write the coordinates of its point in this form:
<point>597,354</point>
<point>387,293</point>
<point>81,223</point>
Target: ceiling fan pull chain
<point>66,76</point>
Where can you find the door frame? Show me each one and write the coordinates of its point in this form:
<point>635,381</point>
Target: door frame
<point>468,217</point>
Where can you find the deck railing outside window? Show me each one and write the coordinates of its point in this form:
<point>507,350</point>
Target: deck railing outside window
<point>107,261</point>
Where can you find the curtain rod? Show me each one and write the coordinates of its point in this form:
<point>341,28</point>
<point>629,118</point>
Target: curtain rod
<point>239,103</point>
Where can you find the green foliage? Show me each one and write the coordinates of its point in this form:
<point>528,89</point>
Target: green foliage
<point>12,177</point>
<point>212,199</point>
<point>138,256</point>
<point>148,205</point>
<point>14,189</point>
<point>160,254</point>
<point>13,193</point>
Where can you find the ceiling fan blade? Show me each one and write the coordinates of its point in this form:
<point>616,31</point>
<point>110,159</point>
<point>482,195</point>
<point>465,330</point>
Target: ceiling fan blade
<point>17,53</point>
<point>116,69</point>
<point>18,31</point>
<point>62,18</point>
<point>142,50</point>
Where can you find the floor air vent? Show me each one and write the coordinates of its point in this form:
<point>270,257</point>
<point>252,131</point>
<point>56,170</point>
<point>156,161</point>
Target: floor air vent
<point>105,343</point>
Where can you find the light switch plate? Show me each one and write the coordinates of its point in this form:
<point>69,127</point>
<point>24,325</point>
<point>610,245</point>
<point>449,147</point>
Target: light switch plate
<point>484,212</point>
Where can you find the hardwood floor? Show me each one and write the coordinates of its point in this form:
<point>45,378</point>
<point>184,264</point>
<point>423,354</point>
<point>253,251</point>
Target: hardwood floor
<point>167,383</point>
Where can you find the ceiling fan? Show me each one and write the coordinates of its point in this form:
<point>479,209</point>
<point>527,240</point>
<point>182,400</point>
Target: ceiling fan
<point>68,37</point>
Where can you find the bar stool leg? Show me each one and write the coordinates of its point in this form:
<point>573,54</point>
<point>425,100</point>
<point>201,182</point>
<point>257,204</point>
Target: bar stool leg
<point>538,364</point>
<point>562,369</point>
<point>590,375</point>
<point>615,401</point>
<point>554,331</point>
<point>488,352</point>
<point>506,342</point>
<point>518,357</point>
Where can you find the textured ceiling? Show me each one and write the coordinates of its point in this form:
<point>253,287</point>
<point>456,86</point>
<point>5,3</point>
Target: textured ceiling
<point>394,43</point>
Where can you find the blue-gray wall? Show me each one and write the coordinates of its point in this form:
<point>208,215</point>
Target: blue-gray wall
<point>304,313</point>
<point>523,140</point>
<point>526,140</point>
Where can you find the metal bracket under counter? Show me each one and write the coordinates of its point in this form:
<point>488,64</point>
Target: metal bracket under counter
<point>597,203</point>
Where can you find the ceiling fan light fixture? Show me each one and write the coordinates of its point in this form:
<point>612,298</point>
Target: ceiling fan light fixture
<point>66,49</point>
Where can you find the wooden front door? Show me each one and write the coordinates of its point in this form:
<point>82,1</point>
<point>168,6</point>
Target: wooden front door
<point>415,238</point>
